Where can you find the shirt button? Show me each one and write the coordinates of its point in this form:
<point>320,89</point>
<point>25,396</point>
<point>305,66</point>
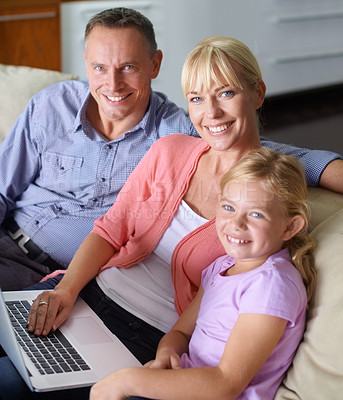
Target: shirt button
<point>109,146</point>
<point>103,179</point>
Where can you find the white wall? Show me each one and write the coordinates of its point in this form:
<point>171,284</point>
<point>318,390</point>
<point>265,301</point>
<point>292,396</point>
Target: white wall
<point>298,43</point>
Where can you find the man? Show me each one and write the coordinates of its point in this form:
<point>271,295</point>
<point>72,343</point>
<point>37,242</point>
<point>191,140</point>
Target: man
<point>70,152</point>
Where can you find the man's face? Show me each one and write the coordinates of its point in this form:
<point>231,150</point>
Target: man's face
<point>119,69</point>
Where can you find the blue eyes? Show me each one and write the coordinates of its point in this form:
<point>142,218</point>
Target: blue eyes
<point>254,214</point>
<point>257,215</point>
<point>195,99</point>
<point>227,93</point>
<point>128,67</point>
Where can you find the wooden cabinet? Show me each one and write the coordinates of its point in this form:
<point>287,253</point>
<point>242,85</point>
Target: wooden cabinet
<point>30,33</point>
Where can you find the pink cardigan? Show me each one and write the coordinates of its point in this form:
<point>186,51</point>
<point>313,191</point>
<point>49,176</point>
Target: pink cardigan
<point>145,207</point>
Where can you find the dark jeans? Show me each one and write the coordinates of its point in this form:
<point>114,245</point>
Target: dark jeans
<point>17,271</point>
<point>139,337</point>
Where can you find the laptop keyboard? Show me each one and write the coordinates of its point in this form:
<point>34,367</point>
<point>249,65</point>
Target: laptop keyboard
<point>52,354</point>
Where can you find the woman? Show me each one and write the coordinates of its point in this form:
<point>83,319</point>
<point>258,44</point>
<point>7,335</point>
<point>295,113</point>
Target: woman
<point>178,176</point>
<point>162,224</point>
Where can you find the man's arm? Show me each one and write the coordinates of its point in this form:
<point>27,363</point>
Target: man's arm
<point>322,168</point>
<point>19,160</point>
<point>332,177</point>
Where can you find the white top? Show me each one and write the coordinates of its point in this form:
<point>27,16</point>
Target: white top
<point>146,289</point>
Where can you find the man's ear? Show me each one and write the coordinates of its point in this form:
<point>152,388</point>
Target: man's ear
<point>86,63</point>
<point>295,225</point>
<point>156,63</point>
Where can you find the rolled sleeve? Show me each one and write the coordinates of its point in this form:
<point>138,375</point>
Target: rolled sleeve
<point>314,161</point>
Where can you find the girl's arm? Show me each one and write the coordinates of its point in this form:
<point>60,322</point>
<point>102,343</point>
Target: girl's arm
<point>93,253</point>
<point>175,343</point>
<point>251,342</point>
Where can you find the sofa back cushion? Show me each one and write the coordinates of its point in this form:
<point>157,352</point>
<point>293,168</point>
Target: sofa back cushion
<point>317,370</point>
<point>17,86</point>
<point>323,205</point>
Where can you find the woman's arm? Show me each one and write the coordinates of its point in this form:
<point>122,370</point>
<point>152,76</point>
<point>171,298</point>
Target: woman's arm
<point>252,340</point>
<point>93,253</point>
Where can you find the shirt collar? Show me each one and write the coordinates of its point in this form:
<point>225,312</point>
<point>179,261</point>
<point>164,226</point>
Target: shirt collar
<point>146,123</point>
<point>81,121</point>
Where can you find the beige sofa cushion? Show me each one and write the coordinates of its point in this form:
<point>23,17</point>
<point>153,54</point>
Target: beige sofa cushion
<point>323,204</point>
<point>17,86</point>
<point>317,370</point>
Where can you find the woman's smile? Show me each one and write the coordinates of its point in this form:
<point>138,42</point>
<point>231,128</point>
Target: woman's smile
<point>219,129</point>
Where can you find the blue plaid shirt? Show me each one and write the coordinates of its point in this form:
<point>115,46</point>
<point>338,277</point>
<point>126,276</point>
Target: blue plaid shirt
<point>57,174</point>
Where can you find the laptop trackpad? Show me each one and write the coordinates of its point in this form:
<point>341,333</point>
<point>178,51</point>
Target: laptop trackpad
<point>87,331</point>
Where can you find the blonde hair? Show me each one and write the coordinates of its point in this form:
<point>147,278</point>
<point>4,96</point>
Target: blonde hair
<point>211,61</point>
<point>283,176</point>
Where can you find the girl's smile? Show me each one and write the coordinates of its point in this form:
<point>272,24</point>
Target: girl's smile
<point>236,241</point>
<point>251,223</point>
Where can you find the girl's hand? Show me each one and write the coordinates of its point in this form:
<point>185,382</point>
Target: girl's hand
<point>165,360</point>
<point>110,388</point>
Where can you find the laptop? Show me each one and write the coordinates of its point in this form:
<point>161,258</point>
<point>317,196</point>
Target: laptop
<point>81,352</point>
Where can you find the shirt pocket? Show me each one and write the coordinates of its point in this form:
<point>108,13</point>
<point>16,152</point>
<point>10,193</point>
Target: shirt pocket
<point>60,172</point>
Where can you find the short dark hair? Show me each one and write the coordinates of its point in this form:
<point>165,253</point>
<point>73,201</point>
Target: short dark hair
<point>121,17</point>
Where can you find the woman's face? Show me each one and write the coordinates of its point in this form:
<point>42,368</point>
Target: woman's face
<point>225,116</point>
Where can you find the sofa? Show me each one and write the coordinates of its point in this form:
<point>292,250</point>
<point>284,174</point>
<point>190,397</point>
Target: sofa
<point>317,369</point>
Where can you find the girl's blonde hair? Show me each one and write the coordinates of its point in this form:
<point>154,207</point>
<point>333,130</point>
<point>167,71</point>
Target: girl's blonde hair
<point>283,176</point>
<point>210,61</point>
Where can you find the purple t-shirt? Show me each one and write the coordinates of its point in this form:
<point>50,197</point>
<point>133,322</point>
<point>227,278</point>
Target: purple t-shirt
<point>275,288</point>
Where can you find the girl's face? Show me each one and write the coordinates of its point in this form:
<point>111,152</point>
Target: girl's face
<point>251,223</point>
<point>225,116</point>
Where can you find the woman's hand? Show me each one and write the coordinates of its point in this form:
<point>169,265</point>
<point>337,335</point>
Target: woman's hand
<point>52,308</point>
<point>49,311</point>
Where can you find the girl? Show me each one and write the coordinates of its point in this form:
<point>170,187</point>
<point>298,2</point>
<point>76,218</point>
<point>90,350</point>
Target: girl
<point>240,333</point>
